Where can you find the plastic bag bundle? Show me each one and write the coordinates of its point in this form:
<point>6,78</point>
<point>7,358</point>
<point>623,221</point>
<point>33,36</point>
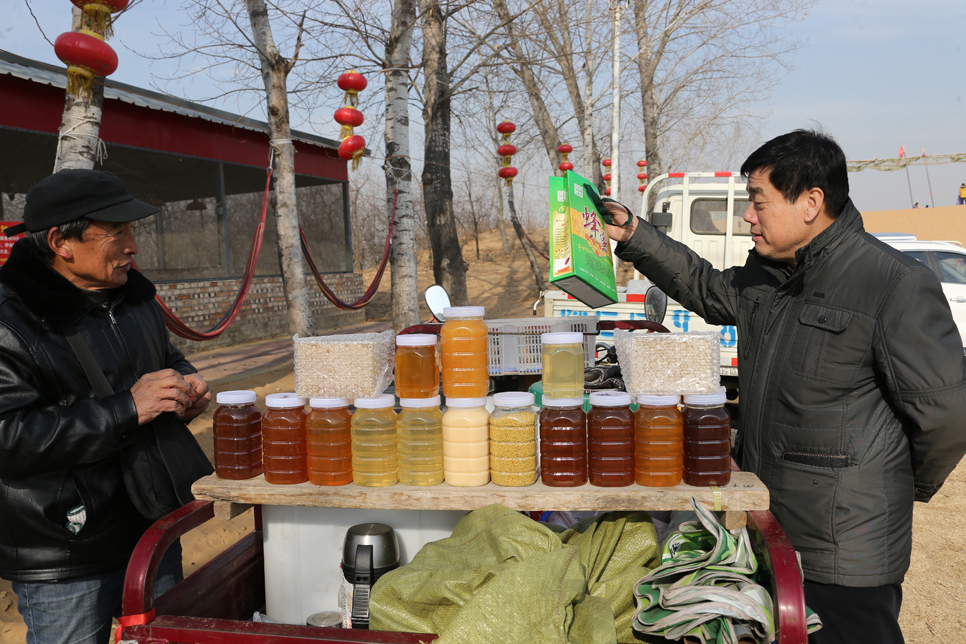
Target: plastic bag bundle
<point>706,588</point>
<point>355,365</point>
<point>669,363</point>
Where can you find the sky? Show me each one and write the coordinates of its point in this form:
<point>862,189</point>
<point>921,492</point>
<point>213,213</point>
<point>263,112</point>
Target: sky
<point>875,75</point>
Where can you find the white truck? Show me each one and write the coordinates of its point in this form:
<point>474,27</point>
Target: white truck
<point>704,211</point>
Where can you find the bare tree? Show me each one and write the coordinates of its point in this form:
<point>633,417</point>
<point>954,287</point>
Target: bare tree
<point>78,141</point>
<point>703,67</point>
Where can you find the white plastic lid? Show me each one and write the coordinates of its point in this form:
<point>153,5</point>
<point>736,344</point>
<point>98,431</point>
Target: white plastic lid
<point>466,402</point>
<point>328,403</point>
<point>562,402</point>
<point>567,337</point>
<point>237,397</point>
<point>419,403</point>
<point>416,340</point>
<point>284,401</point>
<point>463,312</point>
<point>379,402</point>
<point>717,398</point>
<point>658,401</point>
<point>609,399</point>
<point>513,399</point>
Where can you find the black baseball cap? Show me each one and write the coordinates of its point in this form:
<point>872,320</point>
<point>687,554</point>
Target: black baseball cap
<point>72,194</point>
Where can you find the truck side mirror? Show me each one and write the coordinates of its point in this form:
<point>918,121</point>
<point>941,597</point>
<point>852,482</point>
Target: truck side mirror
<point>655,305</point>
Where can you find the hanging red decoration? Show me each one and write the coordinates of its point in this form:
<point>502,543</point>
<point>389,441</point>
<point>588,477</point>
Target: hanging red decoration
<point>607,192</point>
<point>353,146</point>
<point>642,176</point>
<point>642,163</point>
<point>86,55</point>
<point>96,14</point>
<point>506,151</point>
<point>606,177</point>
<point>641,188</point>
<point>605,163</point>
<point>564,149</point>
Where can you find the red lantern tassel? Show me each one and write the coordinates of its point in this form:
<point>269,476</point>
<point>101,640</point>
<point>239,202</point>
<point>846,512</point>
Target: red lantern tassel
<point>97,18</point>
<point>79,82</point>
<point>345,131</point>
<point>357,157</point>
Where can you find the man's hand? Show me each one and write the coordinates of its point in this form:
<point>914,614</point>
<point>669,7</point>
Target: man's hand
<point>161,391</point>
<point>200,397</point>
<point>619,215</point>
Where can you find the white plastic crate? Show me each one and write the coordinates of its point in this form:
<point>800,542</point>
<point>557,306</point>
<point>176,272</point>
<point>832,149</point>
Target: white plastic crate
<point>514,345</point>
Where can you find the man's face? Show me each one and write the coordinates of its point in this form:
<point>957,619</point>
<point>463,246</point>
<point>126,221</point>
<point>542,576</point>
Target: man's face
<point>778,228</point>
<point>103,258</point>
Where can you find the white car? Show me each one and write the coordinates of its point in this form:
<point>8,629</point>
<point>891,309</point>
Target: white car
<point>947,260</point>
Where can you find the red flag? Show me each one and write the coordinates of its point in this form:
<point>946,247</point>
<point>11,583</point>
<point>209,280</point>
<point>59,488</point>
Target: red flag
<point>902,152</point>
<point>923,151</point>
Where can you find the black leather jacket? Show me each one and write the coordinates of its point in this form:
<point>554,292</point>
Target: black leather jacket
<point>59,445</point>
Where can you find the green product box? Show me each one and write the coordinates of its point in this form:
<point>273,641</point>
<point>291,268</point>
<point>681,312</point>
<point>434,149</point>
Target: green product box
<point>580,257</point>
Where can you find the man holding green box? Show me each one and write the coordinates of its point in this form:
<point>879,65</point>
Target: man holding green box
<point>851,375</point>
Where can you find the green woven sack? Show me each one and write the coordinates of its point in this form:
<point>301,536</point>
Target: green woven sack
<point>503,578</point>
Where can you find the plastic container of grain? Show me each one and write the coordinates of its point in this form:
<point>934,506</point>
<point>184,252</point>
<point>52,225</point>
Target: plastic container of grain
<point>513,439</point>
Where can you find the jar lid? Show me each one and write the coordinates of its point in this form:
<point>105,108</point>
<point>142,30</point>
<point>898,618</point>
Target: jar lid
<point>564,337</point>
<point>463,312</point>
<point>326,619</point>
<point>562,402</point>
<point>609,399</point>
<point>379,402</point>
<point>466,402</point>
<point>284,401</point>
<point>236,397</point>
<point>416,340</point>
<point>513,399</point>
<point>652,400</point>
<point>328,403</point>
<point>717,398</point>
<point>419,403</point>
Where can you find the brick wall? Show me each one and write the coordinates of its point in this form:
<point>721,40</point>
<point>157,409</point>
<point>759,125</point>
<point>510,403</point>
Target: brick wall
<point>202,303</point>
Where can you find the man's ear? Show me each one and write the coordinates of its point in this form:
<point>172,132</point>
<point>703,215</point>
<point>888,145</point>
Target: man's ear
<point>60,245</point>
<point>814,204</point>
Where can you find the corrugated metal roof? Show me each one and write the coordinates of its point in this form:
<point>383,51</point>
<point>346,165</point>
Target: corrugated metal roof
<point>39,72</point>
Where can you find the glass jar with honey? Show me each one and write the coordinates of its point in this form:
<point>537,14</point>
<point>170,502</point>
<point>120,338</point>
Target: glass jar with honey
<point>237,428</point>
<point>610,427</point>
<point>463,347</point>
<point>563,365</point>
<point>283,439</point>
<point>329,441</point>
<point>417,367</point>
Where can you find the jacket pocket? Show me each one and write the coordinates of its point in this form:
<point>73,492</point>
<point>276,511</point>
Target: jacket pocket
<point>803,501</point>
<point>819,346</point>
<point>831,461</point>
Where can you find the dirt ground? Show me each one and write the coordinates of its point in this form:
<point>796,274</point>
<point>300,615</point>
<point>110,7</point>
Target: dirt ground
<point>935,585</point>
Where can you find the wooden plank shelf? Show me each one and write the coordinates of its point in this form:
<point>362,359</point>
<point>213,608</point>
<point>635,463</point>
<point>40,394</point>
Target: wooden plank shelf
<point>745,492</point>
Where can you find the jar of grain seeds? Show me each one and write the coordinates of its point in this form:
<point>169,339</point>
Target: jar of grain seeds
<point>513,439</point>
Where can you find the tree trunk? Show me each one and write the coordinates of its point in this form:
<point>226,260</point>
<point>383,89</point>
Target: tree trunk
<point>537,273</point>
<point>647,61</point>
<point>591,153</point>
<point>502,220</point>
<point>449,269</point>
<point>275,71</point>
<point>476,223</point>
<point>399,176</point>
<point>79,138</point>
<point>541,115</point>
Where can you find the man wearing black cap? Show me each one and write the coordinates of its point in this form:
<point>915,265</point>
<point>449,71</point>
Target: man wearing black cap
<point>93,404</point>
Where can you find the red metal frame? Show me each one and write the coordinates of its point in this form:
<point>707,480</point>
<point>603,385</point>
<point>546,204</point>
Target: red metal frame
<point>603,325</point>
<point>212,605</point>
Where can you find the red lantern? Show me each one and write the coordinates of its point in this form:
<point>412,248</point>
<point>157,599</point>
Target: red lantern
<point>642,176</point>
<point>508,173</point>
<point>607,192</point>
<point>606,177</point>
<point>352,82</point>
<point>566,165</point>
<point>642,163</point>
<point>605,163</point>
<point>565,149</point>
<point>349,116</point>
<point>506,127</point>
<point>506,150</point>
<point>641,188</point>
<point>86,55</point>
<point>352,147</point>
<point>96,14</point>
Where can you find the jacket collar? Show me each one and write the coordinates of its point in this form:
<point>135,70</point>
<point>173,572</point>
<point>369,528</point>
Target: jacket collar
<point>848,222</point>
<point>48,295</point>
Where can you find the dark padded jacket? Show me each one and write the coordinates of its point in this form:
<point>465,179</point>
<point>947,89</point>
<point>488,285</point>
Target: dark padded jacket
<point>59,445</point>
<point>851,386</point>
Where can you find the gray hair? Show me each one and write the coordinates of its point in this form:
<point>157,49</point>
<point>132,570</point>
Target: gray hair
<point>71,230</point>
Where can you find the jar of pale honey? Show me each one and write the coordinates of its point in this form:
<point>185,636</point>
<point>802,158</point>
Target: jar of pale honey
<point>466,442</point>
